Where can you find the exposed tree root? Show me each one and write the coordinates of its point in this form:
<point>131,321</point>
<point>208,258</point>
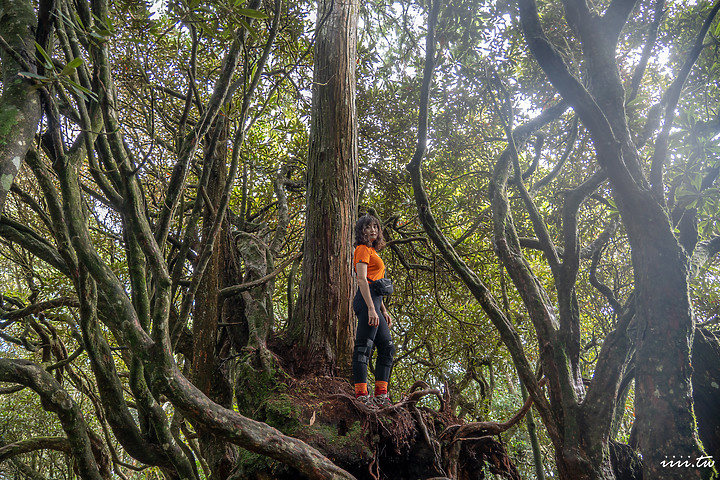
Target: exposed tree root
<point>401,441</point>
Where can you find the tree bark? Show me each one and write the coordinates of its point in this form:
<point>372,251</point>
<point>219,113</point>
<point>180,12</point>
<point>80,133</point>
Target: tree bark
<point>209,372</point>
<point>706,389</point>
<point>323,322</point>
<point>19,107</point>
<point>57,400</point>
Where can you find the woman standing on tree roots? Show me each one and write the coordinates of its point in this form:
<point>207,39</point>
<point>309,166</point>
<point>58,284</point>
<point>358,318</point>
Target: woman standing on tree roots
<point>373,320</point>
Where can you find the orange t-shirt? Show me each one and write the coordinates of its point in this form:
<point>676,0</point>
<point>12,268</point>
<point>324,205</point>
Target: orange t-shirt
<point>365,254</point>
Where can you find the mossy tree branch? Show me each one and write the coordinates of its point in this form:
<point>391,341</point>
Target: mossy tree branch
<point>19,106</point>
<point>57,400</point>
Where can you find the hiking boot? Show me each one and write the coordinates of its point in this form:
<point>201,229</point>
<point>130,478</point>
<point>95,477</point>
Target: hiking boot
<point>382,400</point>
<point>366,400</point>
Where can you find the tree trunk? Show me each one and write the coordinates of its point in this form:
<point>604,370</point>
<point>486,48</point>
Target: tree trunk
<point>323,322</point>
<point>663,392</point>
<point>209,372</point>
<point>706,389</point>
<point>19,108</point>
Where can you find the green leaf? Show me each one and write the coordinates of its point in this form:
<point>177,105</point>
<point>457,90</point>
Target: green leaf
<point>249,12</point>
<point>81,91</point>
<point>105,23</point>
<point>638,100</point>
<point>711,192</point>
<point>249,28</point>
<point>79,20</point>
<point>97,36</point>
<point>48,60</point>
<point>35,76</point>
<point>697,182</point>
<point>613,210</point>
<point>70,67</point>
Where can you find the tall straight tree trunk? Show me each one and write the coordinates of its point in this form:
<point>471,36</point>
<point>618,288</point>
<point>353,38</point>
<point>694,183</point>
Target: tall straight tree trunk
<point>323,322</point>
<point>209,373</point>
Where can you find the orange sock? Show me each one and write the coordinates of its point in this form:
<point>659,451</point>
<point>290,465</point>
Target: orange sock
<point>360,389</point>
<point>380,387</point>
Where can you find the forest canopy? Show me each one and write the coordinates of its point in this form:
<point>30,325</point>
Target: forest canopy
<point>178,186</point>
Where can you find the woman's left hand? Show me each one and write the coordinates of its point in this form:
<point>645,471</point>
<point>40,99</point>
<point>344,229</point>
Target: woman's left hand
<point>388,318</point>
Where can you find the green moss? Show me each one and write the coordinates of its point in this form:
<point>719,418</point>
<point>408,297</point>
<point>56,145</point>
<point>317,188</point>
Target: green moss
<point>8,120</point>
<point>353,443</point>
<point>255,386</point>
<point>261,393</point>
<point>256,466</point>
<point>283,414</point>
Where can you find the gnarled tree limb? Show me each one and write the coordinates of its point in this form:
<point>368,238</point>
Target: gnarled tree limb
<point>57,400</point>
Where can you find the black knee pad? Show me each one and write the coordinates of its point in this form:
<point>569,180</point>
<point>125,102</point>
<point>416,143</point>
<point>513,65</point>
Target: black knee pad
<point>386,353</point>
<point>362,351</point>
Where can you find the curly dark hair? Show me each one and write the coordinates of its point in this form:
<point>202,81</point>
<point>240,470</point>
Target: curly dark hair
<point>360,238</point>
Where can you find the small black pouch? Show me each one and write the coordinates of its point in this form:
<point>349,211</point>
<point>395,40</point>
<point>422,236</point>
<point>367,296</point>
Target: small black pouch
<point>382,287</point>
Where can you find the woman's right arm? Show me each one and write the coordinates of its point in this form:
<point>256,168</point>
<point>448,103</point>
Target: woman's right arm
<point>364,286</point>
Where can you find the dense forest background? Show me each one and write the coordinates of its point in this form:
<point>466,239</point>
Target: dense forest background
<point>178,184</point>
